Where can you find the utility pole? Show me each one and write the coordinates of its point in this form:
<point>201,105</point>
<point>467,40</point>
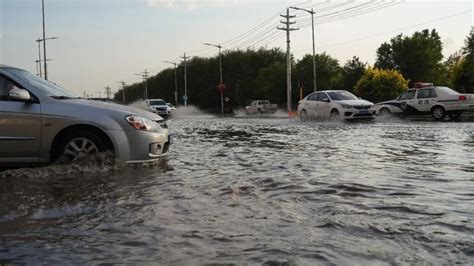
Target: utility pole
<point>185,81</point>
<point>39,58</point>
<point>144,75</point>
<point>44,44</point>
<point>122,83</point>
<point>220,71</point>
<point>287,28</point>
<point>315,88</point>
<point>108,91</point>
<point>39,54</point>
<point>175,81</point>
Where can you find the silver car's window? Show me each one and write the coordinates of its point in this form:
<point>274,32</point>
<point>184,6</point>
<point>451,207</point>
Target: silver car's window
<point>408,95</point>
<point>47,87</point>
<point>313,97</point>
<point>341,95</point>
<point>5,86</point>
<point>323,97</point>
<point>426,93</point>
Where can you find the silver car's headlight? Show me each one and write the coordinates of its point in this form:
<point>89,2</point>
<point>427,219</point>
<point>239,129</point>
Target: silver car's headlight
<point>141,123</point>
<point>346,106</point>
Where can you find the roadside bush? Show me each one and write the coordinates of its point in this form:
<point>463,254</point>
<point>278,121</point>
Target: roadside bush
<point>378,85</point>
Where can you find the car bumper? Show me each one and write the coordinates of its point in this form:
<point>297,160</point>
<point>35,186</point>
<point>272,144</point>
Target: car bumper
<point>135,146</point>
<point>358,114</point>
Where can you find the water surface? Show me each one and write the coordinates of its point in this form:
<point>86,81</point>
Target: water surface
<point>256,191</point>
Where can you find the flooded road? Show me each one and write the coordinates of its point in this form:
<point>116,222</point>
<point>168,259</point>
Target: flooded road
<point>256,191</point>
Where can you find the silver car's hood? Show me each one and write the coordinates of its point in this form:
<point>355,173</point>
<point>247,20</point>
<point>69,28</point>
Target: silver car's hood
<point>113,107</point>
<point>354,102</point>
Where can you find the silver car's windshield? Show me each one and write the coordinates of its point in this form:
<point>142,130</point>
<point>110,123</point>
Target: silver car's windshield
<point>47,87</point>
<point>157,103</point>
<point>341,95</point>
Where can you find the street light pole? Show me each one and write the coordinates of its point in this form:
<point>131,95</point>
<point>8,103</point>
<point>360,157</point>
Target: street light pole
<point>220,71</point>
<point>315,88</point>
<point>175,81</point>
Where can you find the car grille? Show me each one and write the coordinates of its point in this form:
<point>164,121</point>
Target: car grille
<point>162,123</point>
<point>160,109</point>
<point>362,107</point>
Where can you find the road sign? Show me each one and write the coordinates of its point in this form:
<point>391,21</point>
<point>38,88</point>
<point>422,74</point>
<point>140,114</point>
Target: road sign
<point>226,99</point>
<point>221,88</point>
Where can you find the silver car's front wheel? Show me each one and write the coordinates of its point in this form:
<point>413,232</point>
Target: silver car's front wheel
<point>78,148</point>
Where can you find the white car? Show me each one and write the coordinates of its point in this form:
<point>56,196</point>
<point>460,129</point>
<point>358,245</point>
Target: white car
<point>334,104</point>
<point>428,99</point>
<point>159,106</point>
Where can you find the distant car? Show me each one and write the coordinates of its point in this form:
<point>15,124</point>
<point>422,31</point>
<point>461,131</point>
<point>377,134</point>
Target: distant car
<point>41,122</point>
<point>334,104</point>
<point>261,107</point>
<point>428,99</point>
<point>159,107</point>
<point>107,100</point>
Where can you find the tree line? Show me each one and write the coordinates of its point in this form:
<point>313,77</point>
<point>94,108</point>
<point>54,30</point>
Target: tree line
<point>261,74</point>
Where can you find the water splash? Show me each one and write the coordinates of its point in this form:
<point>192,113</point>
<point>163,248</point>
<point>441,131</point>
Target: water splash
<point>140,104</point>
<point>189,111</point>
<point>100,162</point>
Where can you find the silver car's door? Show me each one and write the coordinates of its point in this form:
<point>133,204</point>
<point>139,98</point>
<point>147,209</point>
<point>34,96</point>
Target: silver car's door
<point>324,105</point>
<point>312,104</point>
<point>20,125</point>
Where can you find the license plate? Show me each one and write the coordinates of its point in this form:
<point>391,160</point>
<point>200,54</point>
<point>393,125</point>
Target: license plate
<point>171,139</point>
<point>363,112</point>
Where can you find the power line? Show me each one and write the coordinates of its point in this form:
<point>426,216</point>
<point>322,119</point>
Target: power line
<point>392,31</point>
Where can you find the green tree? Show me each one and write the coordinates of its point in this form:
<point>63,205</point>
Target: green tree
<point>462,76</point>
<point>378,85</point>
<point>417,57</point>
<point>328,72</point>
<point>271,83</point>
<point>352,71</point>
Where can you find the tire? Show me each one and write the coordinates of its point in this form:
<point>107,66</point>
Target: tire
<point>260,111</point>
<point>303,115</point>
<point>385,112</point>
<point>335,114</point>
<point>80,144</point>
<point>438,113</point>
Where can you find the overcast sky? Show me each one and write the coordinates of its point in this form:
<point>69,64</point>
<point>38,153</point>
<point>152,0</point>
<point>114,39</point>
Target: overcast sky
<point>104,41</point>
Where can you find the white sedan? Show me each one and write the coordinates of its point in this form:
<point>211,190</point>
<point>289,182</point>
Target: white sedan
<point>334,104</point>
<point>428,99</point>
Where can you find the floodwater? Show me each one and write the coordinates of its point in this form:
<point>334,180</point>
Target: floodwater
<point>255,191</point>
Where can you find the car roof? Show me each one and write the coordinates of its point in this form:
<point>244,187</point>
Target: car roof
<point>331,91</point>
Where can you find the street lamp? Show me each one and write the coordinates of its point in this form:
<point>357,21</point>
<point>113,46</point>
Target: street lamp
<point>220,70</point>
<point>39,55</point>
<point>315,88</point>
<point>175,81</point>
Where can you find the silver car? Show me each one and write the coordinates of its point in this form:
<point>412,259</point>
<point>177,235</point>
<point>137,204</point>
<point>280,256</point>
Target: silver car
<point>41,122</point>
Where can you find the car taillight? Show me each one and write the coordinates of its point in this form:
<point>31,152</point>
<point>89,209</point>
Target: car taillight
<point>462,98</point>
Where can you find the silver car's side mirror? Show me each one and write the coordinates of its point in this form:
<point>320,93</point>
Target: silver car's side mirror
<point>19,94</point>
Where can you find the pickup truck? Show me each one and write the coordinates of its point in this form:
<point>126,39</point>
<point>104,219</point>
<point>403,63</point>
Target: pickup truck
<point>260,107</point>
